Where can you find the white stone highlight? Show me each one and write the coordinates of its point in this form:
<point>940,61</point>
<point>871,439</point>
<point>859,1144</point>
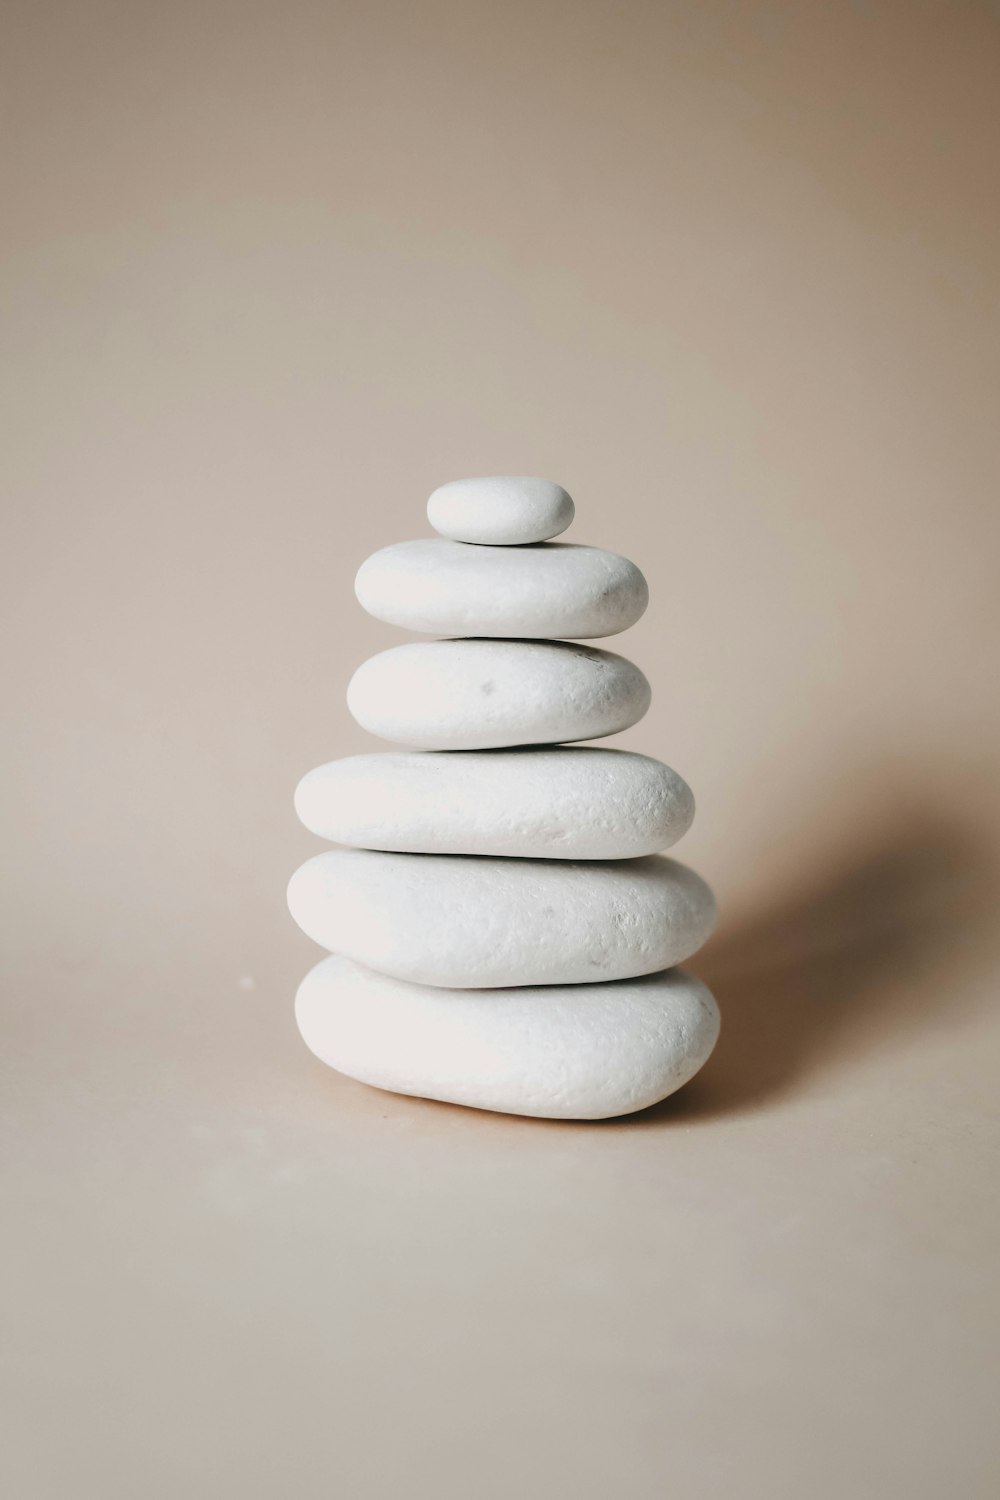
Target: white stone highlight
<point>488,694</point>
<point>500,511</point>
<point>540,804</point>
<point>481,921</point>
<point>550,590</point>
<point>565,1052</point>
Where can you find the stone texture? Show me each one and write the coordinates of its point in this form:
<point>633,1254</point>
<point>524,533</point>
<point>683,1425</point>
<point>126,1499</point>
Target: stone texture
<point>481,921</point>
<point>500,511</point>
<point>583,1052</point>
<point>550,590</point>
<point>543,804</point>
<point>483,694</point>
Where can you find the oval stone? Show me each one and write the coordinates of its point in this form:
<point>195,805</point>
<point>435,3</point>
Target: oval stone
<point>550,590</point>
<point>565,1052</point>
<point>500,511</point>
<point>487,694</point>
<point>540,804</point>
<point>480,921</point>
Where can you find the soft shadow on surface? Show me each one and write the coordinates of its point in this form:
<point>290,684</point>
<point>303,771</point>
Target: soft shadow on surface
<point>887,942</point>
<point>839,967</point>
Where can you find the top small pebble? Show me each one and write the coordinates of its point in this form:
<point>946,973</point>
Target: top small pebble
<point>500,512</point>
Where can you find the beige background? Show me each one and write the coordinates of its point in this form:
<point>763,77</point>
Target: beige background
<point>728,272</point>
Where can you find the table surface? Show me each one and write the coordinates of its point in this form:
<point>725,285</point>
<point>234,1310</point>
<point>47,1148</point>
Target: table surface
<point>231,1266</point>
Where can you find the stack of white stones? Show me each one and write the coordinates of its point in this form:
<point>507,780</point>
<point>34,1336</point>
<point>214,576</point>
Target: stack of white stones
<point>502,925</point>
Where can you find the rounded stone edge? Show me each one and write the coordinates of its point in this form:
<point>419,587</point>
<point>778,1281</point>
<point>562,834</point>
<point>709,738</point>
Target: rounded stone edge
<point>493,533</point>
<point>688,930</point>
<point>690,1064</point>
<point>310,784</point>
<point>630,596</point>
<point>421,738</point>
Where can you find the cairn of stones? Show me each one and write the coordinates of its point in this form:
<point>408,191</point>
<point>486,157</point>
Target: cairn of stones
<point>502,925</point>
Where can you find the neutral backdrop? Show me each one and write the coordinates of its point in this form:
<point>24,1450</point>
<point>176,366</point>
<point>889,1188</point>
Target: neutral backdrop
<point>271,272</point>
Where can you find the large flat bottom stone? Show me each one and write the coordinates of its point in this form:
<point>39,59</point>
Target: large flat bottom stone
<point>564,1052</point>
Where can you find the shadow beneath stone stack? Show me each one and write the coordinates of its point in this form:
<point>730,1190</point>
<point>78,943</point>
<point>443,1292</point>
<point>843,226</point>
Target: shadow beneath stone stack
<point>838,968</point>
